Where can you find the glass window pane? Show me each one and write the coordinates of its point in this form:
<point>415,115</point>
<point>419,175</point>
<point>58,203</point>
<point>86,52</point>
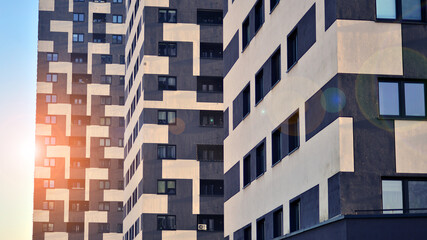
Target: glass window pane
<point>161,187</point>
<point>392,196</point>
<point>54,78</point>
<point>171,184</point>
<point>171,117</point>
<point>46,162</point>
<point>386,9</point>
<point>49,78</point>
<point>52,162</point>
<point>417,191</point>
<point>389,98</point>
<point>414,99</point>
<point>162,116</point>
<point>411,9</point>
<point>171,81</point>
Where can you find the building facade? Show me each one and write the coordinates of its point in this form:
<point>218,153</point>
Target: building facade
<point>174,122</point>
<point>78,182</point>
<point>325,116</point>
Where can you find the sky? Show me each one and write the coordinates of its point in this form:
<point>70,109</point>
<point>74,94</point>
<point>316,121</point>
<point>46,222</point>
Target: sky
<point>18,63</point>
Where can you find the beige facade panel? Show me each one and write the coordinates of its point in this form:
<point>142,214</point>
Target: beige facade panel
<point>95,90</point>
<point>63,67</point>
<point>114,111</point>
<point>410,144</point>
<point>45,45</point>
<point>153,203</point>
<point>60,152</point>
<point>45,87</point>
<point>60,195</point>
<point>96,7</point>
<point>179,235</point>
<point>47,5</point>
<point>95,131</point>
<point>184,32</point>
<point>94,174</point>
<point>155,64</point>
<point>113,153</point>
<point>157,3</point>
<point>115,28</point>
<point>115,69</point>
<point>367,47</point>
<point>63,26</point>
<point>182,100</point>
<point>95,48</point>
<point>62,109</point>
<point>43,129</point>
<point>42,172</point>
<point>112,236</point>
<point>56,235</point>
<point>154,133</point>
<point>40,215</point>
<point>113,195</point>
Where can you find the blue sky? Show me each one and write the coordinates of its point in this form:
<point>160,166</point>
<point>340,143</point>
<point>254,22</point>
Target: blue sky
<point>18,51</point>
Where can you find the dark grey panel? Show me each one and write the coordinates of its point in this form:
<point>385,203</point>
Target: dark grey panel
<point>414,50</point>
<point>209,97</point>
<point>226,123</point>
<point>181,205</point>
<point>211,170</point>
<point>227,238</point>
<point>334,198</point>
<point>306,31</point>
<point>211,205</point>
<point>225,7</point>
<point>151,88</point>
<point>211,67</point>
<point>152,168</point>
<point>356,9</point>
<point>238,110</point>
<point>239,234</point>
<point>149,227</point>
<point>231,53</point>
<point>232,182</point>
<point>268,222</point>
<point>217,235</point>
<point>309,212</point>
<point>330,13</point>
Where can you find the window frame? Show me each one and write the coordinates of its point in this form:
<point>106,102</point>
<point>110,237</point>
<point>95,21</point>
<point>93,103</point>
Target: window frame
<point>167,14</point>
<point>167,121</point>
<point>168,191</point>
<point>166,217</point>
<point>399,13</point>
<point>166,145</point>
<point>292,46</point>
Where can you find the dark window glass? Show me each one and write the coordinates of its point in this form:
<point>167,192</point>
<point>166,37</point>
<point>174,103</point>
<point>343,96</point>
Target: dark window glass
<point>166,222</point>
<point>167,83</point>
<point>78,57</point>
<point>294,221</point>
<point>167,16</point>
<point>260,159</point>
<point>246,170</point>
<point>259,86</point>
<point>166,151</point>
<point>211,187</point>
<point>209,84</point>
<point>278,223</point>
<point>210,223</point>
<point>292,48</point>
<point>210,153</point>
<point>211,50</point>
<point>246,101</point>
<point>166,117</point>
<point>209,17</point>
<point>260,229</point>
<point>167,49</point>
<point>211,118</point>
<point>411,10</point>
<point>259,14</point>
<point>273,4</point>
<point>118,39</point>
<point>293,132</point>
<point>106,59</point>
<point>246,33</point>
<point>276,146</point>
<point>275,68</point>
<point>99,17</point>
<point>247,233</point>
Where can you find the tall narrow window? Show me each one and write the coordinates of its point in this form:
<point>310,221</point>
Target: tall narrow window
<point>246,101</point>
<point>293,132</point>
<point>247,233</point>
<point>247,170</point>
<point>295,215</point>
<point>392,196</point>
<point>276,146</point>
<point>259,86</point>
<point>292,48</point>
<point>259,14</point>
<point>275,68</point>
<point>246,33</point>
<point>260,229</point>
<point>260,159</point>
<point>389,98</point>
<point>386,9</point>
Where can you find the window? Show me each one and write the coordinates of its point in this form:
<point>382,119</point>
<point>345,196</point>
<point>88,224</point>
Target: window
<point>166,222</point>
<point>74,227</point>
<point>106,59</point>
<point>120,142</point>
<point>50,120</point>
<point>295,215</point>
<point>51,77</point>
<point>106,79</point>
<point>119,228</point>
<point>246,170</point>
<point>104,142</point>
<point>49,162</point>
<point>104,206</point>
<point>78,17</point>
<point>49,183</point>
<point>51,98</point>
<point>260,229</point>
<point>210,153</point>
<point>211,187</point>
<point>76,184</point>
<point>276,146</point>
<point>121,122</point>
<point>78,37</point>
<point>79,206</point>
<point>105,121</point>
<point>211,50</point>
<point>103,228</point>
<point>117,39</point>
<point>210,223</point>
<point>49,140</point>
<point>259,86</point>
<point>293,132</point>
<point>273,4</point>
<point>117,19</point>
<point>120,207</point>
<point>48,206</point>
<point>166,151</point>
<point>99,17</point>
<point>260,160</point>
<point>292,48</point>
<point>209,17</point>
<point>167,49</point>
<point>99,38</point>
<point>122,61</point>
<point>402,99</point>
<point>47,227</point>
<point>167,16</point>
<point>247,233</point>
<point>275,68</point>
<point>211,118</point>
<point>78,57</point>
<point>167,83</point>
<point>404,196</point>
<point>259,14</point>
<point>105,100</point>
<point>52,57</point>
<point>408,10</point>
<point>117,1</point>
<point>246,33</point>
<point>209,84</point>
<point>166,187</point>
<point>166,117</point>
<point>246,101</point>
<point>105,163</point>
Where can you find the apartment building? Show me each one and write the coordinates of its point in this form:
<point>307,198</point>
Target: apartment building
<point>78,183</point>
<point>325,117</point>
<point>173,169</point>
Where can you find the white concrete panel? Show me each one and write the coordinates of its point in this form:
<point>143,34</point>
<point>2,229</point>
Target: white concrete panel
<point>45,87</point>
<point>94,174</point>
<point>115,69</point>
<point>62,109</point>
<point>113,153</point>
<point>43,129</point>
<point>56,235</point>
<point>63,26</point>
<point>94,217</point>
<point>112,236</point>
<point>95,48</point>
<point>113,195</point>
<point>179,235</point>
<point>184,169</point>
<point>47,5</point>
<point>45,45</point>
<point>60,152</point>
<point>154,133</point>
<point>95,7</point>
<point>98,90</point>
<point>42,172</point>
<point>182,100</point>
<point>71,5</point>
<point>367,47</point>
<point>114,111</point>
<point>95,131</point>
<point>157,3</point>
<point>153,203</point>
<point>40,215</point>
<point>63,67</point>
<point>410,144</point>
<point>60,195</point>
<point>115,28</point>
<point>155,64</point>
<point>184,32</point>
